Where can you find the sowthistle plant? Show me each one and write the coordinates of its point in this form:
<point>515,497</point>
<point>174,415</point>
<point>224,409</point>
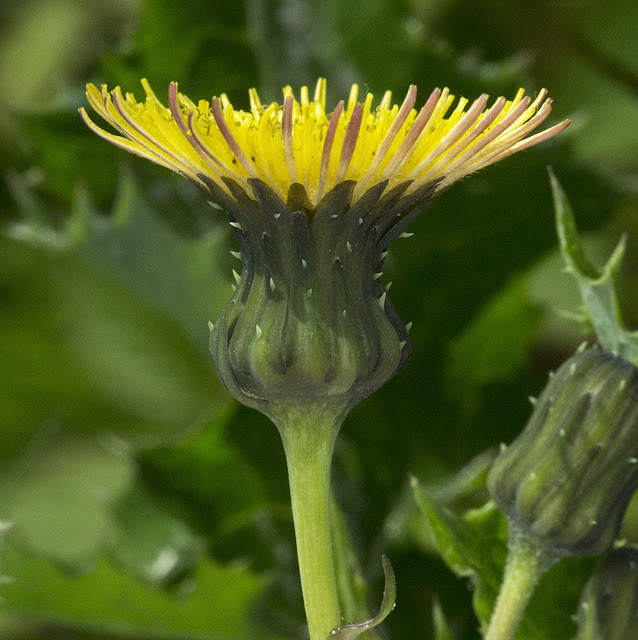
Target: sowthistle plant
<point>314,199</point>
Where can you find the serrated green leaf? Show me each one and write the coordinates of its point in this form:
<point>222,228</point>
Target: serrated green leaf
<point>474,545</point>
<point>101,326</point>
<point>355,629</point>
<point>126,301</point>
<point>597,288</point>
<point>97,358</point>
<point>212,477</point>
<point>181,277</point>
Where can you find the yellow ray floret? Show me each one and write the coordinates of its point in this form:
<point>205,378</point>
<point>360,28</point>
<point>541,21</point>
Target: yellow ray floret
<point>299,142</point>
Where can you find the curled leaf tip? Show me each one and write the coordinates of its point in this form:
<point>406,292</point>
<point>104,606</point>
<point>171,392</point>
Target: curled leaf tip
<point>355,629</point>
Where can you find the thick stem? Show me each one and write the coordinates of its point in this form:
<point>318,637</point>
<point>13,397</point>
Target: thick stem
<point>526,563</point>
<point>309,436</point>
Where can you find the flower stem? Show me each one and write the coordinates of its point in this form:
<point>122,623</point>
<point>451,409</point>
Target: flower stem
<point>308,437</point>
<point>526,563</point>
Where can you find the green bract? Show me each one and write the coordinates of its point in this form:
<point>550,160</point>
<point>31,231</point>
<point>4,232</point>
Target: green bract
<point>566,480</point>
<point>609,605</point>
<point>310,320</point>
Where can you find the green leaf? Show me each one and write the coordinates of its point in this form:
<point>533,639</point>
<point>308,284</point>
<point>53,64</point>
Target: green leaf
<point>105,325</point>
<point>126,302</point>
<point>355,629</point>
<point>221,490</point>
<point>213,603</point>
<point>182,278</point>
<point>351,584</point>
<point>442,630</point>
<point>150,541</point>
<point>597,288</point>
<point>495,346</point>
<point>58,495</point>
<point>474,546</point>
<point>97,358</point>
<point>467,487</point>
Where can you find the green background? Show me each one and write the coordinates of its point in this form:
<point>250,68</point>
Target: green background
<point>146,503</point>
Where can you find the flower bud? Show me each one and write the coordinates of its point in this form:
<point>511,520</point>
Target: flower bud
<point>609,605</point>
<point>565,482</point>
<point>310,319</point>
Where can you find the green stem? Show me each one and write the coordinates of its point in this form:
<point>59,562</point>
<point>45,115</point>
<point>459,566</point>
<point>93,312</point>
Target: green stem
<point>526,563</point>
<point>308,436</point>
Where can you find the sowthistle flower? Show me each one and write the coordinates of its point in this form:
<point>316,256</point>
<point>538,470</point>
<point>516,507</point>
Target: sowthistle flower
<point>314,199</point>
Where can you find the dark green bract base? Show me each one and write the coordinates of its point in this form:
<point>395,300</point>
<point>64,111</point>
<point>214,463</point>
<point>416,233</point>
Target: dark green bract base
<point>310,318</point>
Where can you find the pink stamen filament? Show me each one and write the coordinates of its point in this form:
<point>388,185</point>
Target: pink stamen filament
<point>479,125</point>
<point>181,160</point>
<point>327,147</point>
<point>454,134</point>
<point>418,126</point>
<point>523,144</point>
<point>509,138</point>
<point>229,138</point>
<point>349,141</point>
<point>491,135</point>
<point>207,155</point>
<point>392,133</point>
<point>126,144</point>
<point>197,143</point>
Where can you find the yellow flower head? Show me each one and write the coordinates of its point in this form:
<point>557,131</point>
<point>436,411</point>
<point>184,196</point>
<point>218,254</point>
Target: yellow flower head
<point>298,142</point>
<point>315,199</point>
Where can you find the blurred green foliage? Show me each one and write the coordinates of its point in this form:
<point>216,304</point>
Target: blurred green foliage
<point>145,503</point>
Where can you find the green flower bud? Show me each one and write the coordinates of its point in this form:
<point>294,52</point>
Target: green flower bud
<point>310,319</point>
<point>566,480</point>
<point>609,605</point>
